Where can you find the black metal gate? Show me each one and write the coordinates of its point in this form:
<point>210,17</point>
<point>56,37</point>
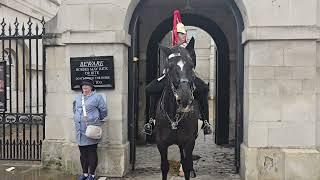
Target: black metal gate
<point>22,122</point>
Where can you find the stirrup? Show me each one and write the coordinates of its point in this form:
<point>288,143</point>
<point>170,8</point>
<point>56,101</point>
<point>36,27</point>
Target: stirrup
<point>207,127</point>
<point>152,121</point>
<point>147,129</point>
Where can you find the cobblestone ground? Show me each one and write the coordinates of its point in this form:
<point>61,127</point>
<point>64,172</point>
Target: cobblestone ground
<point>215,162</point>
<point>212,163</point>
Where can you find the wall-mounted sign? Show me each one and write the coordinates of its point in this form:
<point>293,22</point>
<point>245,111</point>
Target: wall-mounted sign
<point>99,68</point>
<point>3,97</point>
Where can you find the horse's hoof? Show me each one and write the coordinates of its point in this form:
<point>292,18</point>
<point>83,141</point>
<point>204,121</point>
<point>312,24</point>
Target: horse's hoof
<point>193,174</point>
<point>181,174</point>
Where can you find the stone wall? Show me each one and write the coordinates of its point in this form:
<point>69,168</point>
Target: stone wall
<point>281,123</point>
<point>280,119</point>
<point>10,9</point>
<point>82,35</point>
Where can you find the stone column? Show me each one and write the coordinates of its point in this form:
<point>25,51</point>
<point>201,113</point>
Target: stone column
<point>280,94</point>
<point>212,59</point>
<point>280,106</point>
<point>317,87</point>
<point>81,29</point>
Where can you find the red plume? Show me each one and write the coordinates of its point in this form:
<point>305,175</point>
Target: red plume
<point>176,20</point>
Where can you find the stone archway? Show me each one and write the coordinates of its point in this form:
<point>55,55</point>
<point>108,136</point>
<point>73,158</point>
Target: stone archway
<point>227,34</point>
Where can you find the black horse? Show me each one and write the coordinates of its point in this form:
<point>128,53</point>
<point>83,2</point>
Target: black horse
<point>177,112</point>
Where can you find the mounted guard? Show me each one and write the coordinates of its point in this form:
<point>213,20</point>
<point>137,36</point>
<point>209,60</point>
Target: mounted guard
<point>155,87</point>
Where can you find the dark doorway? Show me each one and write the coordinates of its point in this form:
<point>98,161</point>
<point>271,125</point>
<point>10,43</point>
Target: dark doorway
<point>222,67</point>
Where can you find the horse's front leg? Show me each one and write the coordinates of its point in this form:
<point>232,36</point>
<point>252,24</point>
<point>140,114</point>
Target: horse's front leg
<point>181,173</point>
<point>163,149</point>
<point>187,164</point>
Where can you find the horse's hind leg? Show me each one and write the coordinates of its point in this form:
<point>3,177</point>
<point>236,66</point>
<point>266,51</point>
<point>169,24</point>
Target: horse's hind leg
<point>164,160</point>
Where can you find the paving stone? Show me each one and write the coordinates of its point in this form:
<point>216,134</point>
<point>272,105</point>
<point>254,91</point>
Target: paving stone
<point>212,163</point>
<point>216,162</point>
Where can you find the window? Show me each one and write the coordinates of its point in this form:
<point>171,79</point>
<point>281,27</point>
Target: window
<point>5,57</point>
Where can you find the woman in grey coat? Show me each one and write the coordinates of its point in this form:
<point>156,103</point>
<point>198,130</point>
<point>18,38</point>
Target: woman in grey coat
<point>94,111</point>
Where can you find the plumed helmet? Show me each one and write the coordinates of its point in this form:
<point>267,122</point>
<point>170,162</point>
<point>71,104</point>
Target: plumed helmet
<point>181,28</point>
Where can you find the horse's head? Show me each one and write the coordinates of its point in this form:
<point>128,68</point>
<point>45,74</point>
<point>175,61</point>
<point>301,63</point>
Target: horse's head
<point>180,73</point>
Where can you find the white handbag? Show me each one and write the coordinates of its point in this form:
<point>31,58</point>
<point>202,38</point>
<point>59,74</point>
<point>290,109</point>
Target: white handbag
<point>92,131</point>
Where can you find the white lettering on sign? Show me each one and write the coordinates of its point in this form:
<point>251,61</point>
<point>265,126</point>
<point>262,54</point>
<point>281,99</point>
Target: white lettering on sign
<point>91,64</point>
<point>82,69</point>
<point>103,68</point>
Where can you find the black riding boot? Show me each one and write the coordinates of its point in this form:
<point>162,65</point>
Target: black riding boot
<point>148,127</point>
<point>201,94</point>
<point>206,126</point>
<point>154,90</point>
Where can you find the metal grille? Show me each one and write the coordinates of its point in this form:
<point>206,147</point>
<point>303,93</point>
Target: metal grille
<point>22,123</point>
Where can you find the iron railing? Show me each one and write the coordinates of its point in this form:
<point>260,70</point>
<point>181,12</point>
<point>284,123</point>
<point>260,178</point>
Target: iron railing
<point>22,124</point>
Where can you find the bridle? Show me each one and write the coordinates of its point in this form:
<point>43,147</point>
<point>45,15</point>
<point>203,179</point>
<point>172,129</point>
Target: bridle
<point>178,116</point>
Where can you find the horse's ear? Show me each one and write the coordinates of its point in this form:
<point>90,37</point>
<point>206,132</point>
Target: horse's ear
<point>165,50</point>
<point>190,49</point>
<point>190,46</point>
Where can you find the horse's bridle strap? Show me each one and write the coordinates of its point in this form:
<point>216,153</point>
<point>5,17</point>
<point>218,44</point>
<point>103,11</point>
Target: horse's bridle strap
<point>174,55</point>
